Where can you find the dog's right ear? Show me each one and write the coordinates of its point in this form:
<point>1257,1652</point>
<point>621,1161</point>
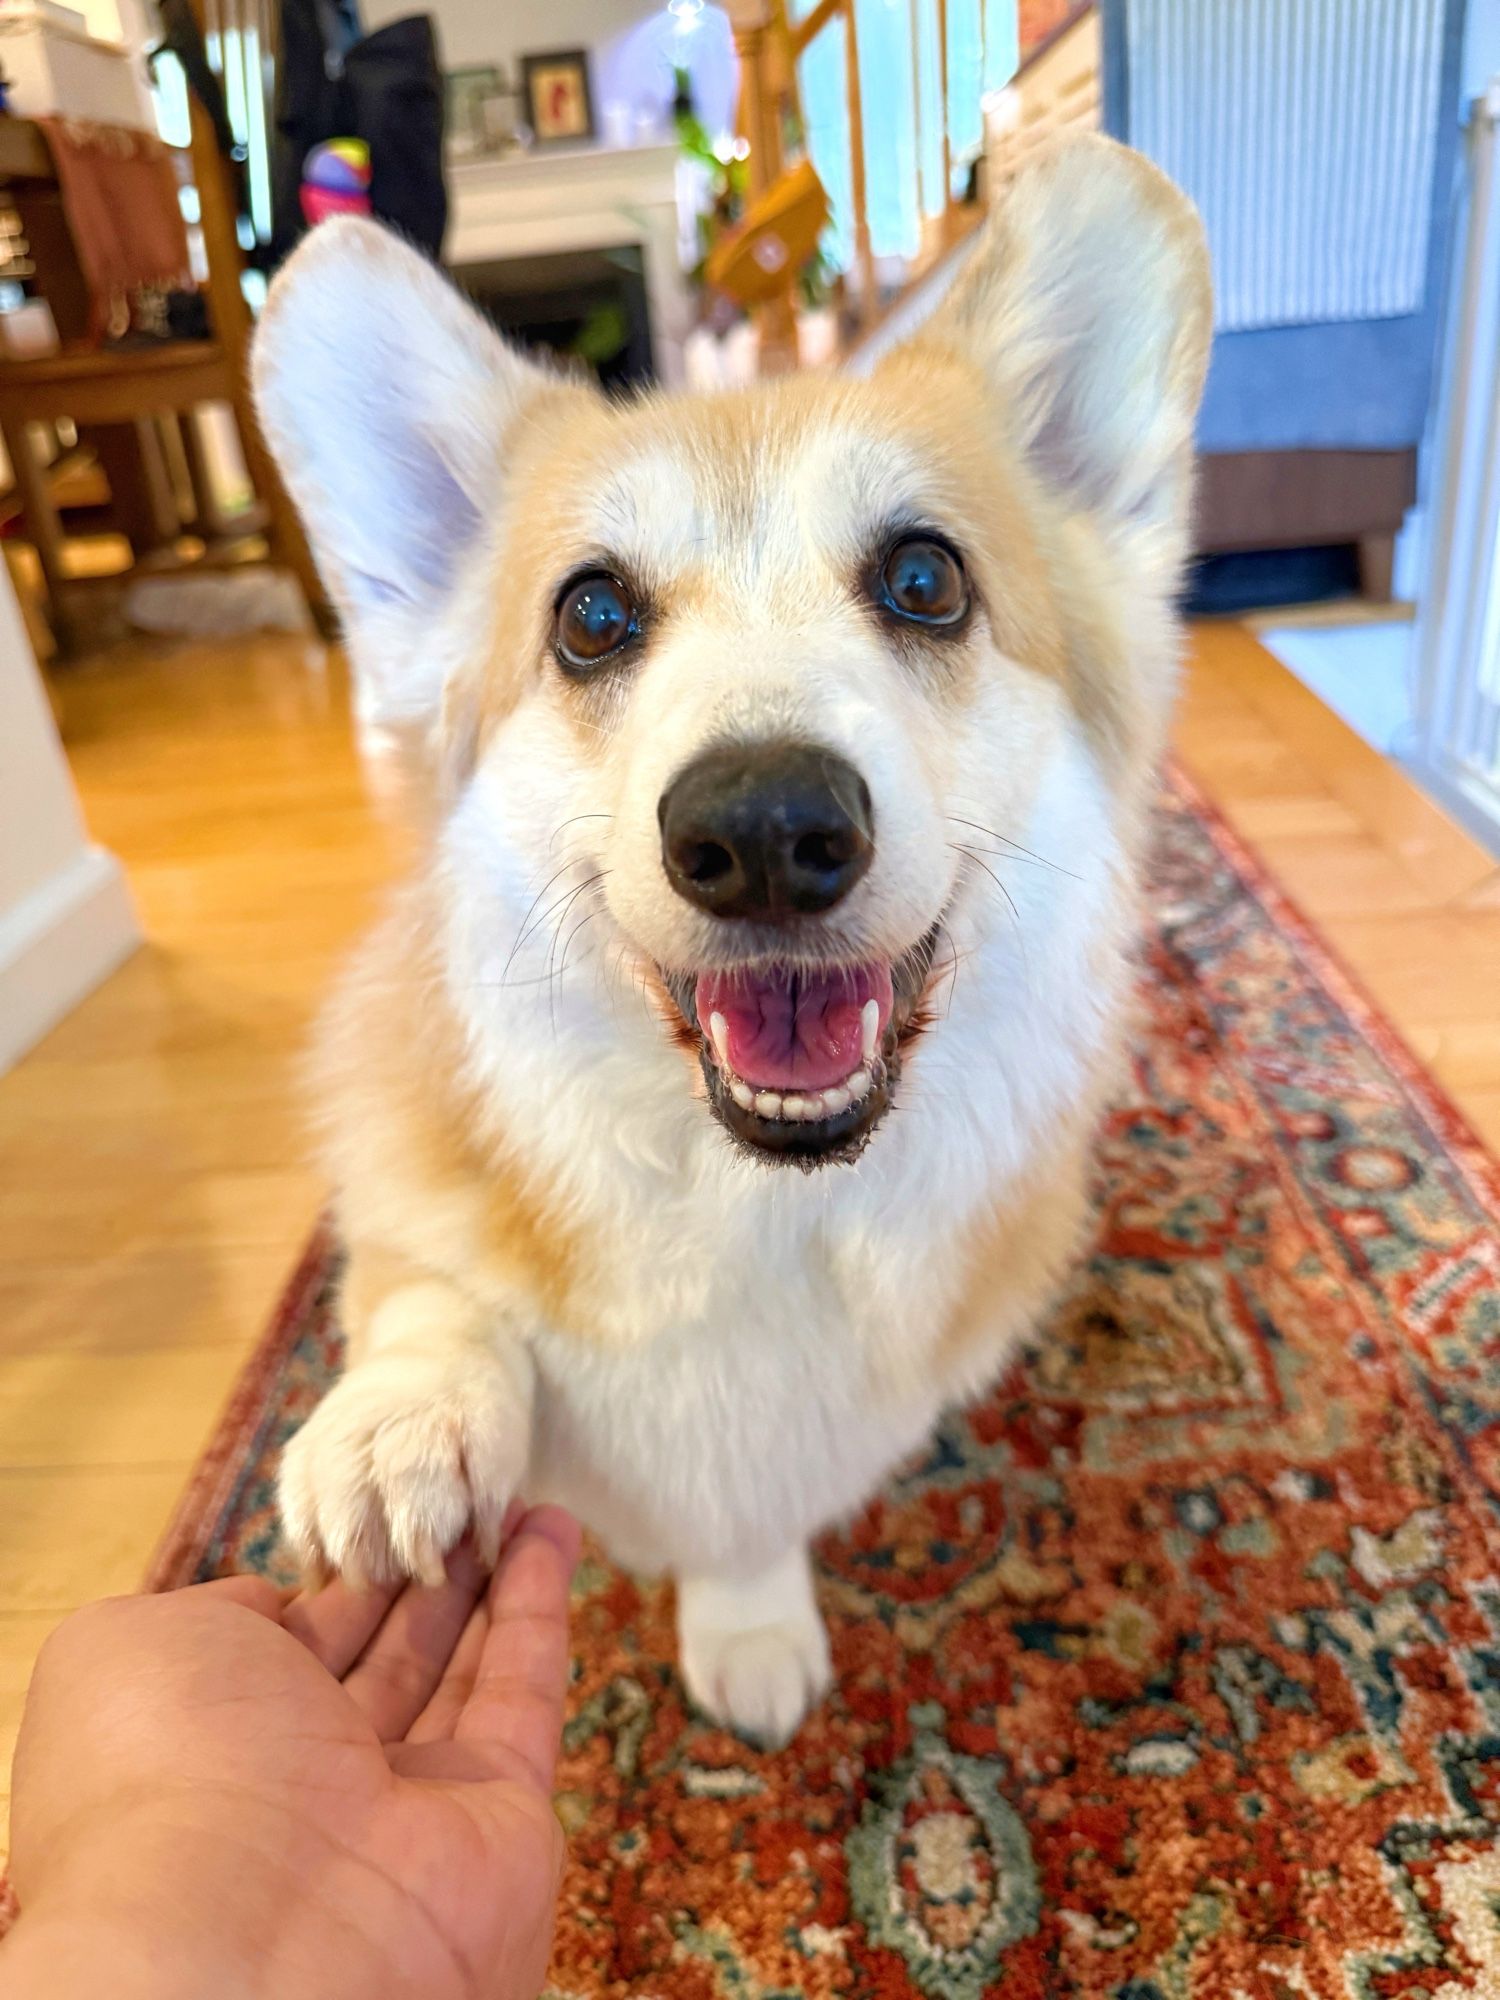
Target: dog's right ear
<point>386,400</point>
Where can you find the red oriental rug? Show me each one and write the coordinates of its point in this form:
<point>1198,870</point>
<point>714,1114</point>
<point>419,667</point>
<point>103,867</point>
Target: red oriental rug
<point>1174,1668</point>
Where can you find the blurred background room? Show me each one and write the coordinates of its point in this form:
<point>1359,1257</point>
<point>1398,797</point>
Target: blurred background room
<point>191,827</point>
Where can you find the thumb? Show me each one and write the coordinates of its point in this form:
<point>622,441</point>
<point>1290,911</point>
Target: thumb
<point>255,1593</point>
<point>514,1713</point>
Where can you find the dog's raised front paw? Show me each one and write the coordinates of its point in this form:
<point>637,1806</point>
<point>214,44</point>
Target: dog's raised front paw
<point>398,1459</point>
<point>755,1657</point>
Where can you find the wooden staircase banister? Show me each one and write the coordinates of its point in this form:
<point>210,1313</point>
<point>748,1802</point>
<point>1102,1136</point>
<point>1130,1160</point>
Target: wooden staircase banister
<point>765,39</point>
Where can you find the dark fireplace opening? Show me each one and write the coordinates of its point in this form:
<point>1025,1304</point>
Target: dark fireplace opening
<point>587,305</point>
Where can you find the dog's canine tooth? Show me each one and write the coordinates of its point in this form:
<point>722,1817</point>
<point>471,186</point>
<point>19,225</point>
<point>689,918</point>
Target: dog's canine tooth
<point>742,1094</point>
<point>857,1084</point>
<point>869,1030</point>
<point>718,1029</point>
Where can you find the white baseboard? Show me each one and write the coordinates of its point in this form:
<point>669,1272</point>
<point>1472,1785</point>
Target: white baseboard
<point>58,943</point>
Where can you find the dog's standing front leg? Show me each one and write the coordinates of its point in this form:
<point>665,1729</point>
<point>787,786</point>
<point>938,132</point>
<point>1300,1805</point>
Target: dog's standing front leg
<point>426,1434</point>
<point>754,1650</point>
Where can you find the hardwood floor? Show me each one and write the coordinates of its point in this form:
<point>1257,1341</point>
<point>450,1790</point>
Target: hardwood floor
<point>153,1185</point>
<point>1406,898</point>
<point>151,1154</point>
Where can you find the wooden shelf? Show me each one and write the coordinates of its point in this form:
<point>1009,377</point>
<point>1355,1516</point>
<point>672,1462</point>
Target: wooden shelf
<point>24,153</point>
<point>114,385</point>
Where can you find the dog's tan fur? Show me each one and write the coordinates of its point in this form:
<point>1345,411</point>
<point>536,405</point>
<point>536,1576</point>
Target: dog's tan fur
<point>489,1260</point>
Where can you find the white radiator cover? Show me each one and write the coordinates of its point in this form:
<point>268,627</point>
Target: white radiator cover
<point>1306,131</point>
<point>1458,643</point>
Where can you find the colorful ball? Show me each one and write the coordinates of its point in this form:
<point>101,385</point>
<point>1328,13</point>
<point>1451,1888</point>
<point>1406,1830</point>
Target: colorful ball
<point>341,164</point>
<point>336,180</point>
<point>320,203</point>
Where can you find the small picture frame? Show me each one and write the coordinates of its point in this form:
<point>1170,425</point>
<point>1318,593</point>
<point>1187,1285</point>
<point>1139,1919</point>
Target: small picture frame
<point>497,117</point>
<point>466,92</point>
<point>559,102</point>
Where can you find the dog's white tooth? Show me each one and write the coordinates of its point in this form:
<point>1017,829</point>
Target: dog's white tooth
<point>857,1084</point>
<point>795,1107</point>
<point>768,1104</point>
<point>718,1029</point>
<point>869,1030</point>
<point>835,1101</point>
<point>742,1094</point>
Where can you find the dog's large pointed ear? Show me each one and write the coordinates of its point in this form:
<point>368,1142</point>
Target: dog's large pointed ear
<point>1087,304</point>
<point>387,400</point>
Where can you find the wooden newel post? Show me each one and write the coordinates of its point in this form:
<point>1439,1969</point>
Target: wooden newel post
<point>763,86</point>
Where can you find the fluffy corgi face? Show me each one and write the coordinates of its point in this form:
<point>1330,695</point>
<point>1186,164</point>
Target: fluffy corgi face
<point>764,650</point>
<point>762,680</point>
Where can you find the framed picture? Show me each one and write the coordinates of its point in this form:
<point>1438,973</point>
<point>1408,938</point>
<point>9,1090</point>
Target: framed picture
<point>497,117</point>
<point>466,92</point>
<point>559,103</point>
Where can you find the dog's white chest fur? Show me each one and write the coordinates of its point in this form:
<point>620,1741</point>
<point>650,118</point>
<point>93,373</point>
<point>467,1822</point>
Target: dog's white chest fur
<point>694,1453</point>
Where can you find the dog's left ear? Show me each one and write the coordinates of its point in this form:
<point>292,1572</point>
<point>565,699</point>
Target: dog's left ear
<point>1088,306</point>
<point>389,404</point>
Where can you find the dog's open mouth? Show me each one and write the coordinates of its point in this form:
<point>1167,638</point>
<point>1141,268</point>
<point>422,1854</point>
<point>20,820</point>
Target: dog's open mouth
<point>801,1062</point>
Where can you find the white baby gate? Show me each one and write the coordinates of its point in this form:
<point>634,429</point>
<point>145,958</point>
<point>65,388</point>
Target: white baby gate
<point>1458,689</point>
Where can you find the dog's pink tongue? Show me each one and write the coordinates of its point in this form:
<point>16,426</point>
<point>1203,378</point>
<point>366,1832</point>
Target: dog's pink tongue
<point>794,1030</point>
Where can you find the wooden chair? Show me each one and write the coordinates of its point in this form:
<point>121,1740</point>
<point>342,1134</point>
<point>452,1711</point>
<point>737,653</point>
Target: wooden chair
<point>129,387</point>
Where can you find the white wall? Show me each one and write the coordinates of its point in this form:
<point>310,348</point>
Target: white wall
<point>633,46</point>
<point>65,916</point>
<point>489,31</point>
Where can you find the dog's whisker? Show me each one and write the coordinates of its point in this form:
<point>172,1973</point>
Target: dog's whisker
<point>582,925</point>
<point>536,925</point>
<point>557,929</point>
<point>573,935</point>
<point>979,862</point>
<point>1005,840</point>
<point>521,932</point>
<point>949,972</point>
<point>573,822</point>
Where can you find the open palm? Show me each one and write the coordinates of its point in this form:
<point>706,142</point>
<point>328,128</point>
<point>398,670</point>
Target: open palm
<point>375,1769</point>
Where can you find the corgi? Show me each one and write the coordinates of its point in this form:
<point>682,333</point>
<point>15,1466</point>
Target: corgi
<point>713,1104</point>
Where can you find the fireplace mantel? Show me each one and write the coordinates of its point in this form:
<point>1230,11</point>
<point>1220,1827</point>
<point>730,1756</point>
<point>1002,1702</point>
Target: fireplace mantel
<point>579,198</point>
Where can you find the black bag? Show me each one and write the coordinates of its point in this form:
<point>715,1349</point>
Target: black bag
<point>385,88</point>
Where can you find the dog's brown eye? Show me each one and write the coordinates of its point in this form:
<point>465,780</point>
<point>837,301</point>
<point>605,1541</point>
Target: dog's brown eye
<point>595,618</point>
<point>924,581</point>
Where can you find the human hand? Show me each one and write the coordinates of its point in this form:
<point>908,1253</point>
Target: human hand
<point>235,1791</point>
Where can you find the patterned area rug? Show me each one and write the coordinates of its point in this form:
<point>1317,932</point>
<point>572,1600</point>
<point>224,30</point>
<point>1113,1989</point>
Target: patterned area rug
<point>1173,1669</point>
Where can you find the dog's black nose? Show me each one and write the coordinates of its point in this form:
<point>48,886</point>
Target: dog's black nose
<point>767,831</point>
